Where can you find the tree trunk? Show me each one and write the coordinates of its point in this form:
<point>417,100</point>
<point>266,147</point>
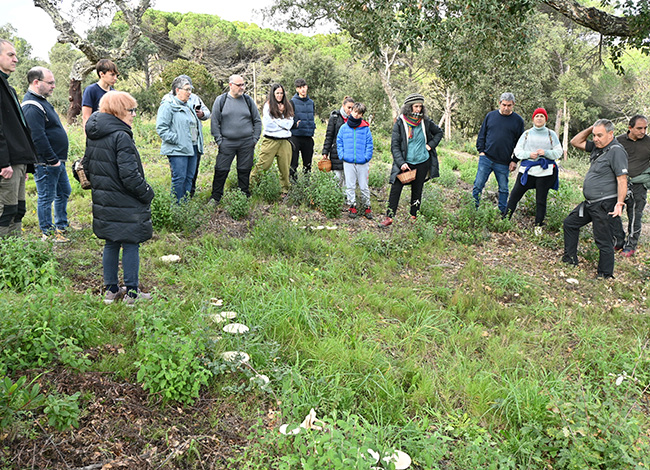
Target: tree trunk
<point>565,137</point>
<point>74,96</point>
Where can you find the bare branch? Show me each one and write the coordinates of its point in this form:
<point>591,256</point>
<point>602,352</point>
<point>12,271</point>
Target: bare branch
<point>593,18</point>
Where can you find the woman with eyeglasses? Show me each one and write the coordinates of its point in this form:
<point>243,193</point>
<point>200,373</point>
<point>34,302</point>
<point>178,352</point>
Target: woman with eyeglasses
<point>121,195</point>
<point>182,140</point>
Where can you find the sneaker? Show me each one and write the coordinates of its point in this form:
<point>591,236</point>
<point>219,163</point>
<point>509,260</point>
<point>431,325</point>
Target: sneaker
<point>629,252</point>
<point>352,212</point>
<point>55,236</point>
<point>538,231</point>
<point>386,222</point>
<point>110,297</point>
<point>128,300</point>
<point>413,218</point>
<point>368,214</point>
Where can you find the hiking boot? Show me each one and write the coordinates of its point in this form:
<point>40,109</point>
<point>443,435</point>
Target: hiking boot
<point>368,214</point>
<point>618,247</point>
<point>110,297</point>
<point>55,236</point>
<point>386,222</point>
<point>139,295</point>
<point>572,260</point>
<point>352,212</point>
<point>628,252</point>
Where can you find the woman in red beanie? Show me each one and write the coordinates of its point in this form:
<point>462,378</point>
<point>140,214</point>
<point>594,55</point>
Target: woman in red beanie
<point>537,149</point>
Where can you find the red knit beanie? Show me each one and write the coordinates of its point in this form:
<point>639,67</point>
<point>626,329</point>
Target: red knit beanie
<point>540,111</point>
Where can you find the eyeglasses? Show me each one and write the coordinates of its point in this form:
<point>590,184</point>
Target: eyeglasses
<point>189,90</point>
<point>133,111</point>
<point>52,83</point>
<point>240,85</point>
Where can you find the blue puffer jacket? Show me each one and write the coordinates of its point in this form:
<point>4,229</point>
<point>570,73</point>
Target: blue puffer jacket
<point>354,145</point>
<point>173,125</point>
<point>304,112</point>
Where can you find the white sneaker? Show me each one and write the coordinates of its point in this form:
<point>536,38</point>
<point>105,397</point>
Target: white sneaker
<point>538,231</point>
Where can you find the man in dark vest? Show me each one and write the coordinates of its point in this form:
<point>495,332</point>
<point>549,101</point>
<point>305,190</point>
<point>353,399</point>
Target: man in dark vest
<point>17,152</point>
<point>302,133</point>
<point>51,142</point>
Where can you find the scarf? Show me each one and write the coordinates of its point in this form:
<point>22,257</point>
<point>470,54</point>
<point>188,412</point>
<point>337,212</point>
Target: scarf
<point>343,114</point>
<point>413,120</point>
<point>354,122</point>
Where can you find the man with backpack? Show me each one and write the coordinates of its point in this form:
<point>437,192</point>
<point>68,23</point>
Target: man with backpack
<point>236,127</point>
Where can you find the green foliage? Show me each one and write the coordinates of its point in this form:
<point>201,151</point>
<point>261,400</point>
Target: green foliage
<point>202,80</point>
<point>25,263</point>
<point>62,411</point>
<point>17,398</point>
<point>326,193</point>
<point>170,362</point>
<point>378,175</point>
<point>267,187</point>
<point>236,203</point>
<point>299,192</point>
<point>167,214</point>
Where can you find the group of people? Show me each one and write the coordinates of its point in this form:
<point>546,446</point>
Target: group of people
<point>618,176</point>
<point>32,139</point>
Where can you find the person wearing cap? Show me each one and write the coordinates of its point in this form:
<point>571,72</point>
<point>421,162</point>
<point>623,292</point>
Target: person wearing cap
<point>495,143</point>
<point>604,189</point>
<point>537,149</point>
<point>202,112</point>
<point>413,145</point>
<point>182,140</point>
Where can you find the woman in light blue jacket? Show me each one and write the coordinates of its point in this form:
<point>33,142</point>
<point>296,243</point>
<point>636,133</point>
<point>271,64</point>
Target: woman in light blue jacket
<point>182,140</point>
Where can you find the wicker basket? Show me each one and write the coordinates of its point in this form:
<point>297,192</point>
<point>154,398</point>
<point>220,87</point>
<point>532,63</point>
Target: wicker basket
<point>406,176</point>
<point>325,164</point>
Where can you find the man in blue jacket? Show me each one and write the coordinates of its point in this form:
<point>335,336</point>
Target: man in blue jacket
<point>302,134</point>
<point>51,142</point>
<point>17,153</point>
<point>496,141</point>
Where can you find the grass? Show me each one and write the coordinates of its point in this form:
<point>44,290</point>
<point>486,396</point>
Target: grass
<point>456,339</point>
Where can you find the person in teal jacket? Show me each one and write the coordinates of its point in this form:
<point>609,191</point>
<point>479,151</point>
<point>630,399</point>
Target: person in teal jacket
<point>182,140</point>
<point>354,145</point>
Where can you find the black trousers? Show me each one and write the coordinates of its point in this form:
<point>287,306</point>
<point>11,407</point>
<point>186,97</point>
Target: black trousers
<point>603,228</point>
<point>542,185</point>
<point>228,150</point>
<point>305,146</point>
<point>416,189</point>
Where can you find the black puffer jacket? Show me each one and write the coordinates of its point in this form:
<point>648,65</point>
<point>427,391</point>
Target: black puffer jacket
<point>121,196</point>
<point>329,145</point>
<point>399,147</point>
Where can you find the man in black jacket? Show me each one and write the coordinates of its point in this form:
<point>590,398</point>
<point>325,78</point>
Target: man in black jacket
<point>17,151</point>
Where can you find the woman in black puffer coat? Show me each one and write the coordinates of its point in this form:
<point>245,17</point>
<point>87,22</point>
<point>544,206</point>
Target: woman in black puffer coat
<point>336,120</point>
<point>121,195</point>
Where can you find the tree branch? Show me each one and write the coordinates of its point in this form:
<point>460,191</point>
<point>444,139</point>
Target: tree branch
<point>593,18</point>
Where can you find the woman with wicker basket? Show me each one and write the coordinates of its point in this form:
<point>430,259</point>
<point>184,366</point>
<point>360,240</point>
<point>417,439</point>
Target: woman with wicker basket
<point>330,152</point>
<point>413,145</point>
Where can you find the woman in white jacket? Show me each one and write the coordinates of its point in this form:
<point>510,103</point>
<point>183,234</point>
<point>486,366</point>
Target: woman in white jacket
<point>277,119</point>
<point>537,148</point>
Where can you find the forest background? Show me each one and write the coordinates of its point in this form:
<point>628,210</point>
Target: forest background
<point>459,339</point>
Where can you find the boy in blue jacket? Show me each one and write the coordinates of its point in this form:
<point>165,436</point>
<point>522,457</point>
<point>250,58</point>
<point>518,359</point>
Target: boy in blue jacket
<point>354,145</point>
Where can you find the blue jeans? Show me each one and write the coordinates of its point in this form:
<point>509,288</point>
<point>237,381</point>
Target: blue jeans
<point>53,186</point>
<point>183,171</point>
<point>130,263</point>
<point>485,167</point>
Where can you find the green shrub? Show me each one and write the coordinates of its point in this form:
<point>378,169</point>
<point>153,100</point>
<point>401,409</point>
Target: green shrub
<point>170,363</point>
<point>236,203</point>
<point>379,174</point>
<point>299,193</point>
<point>62,411</point>
<point>167,214</point>
<point>17,398</point>
<point>447,178</point>
<point>267,186</point>
<point>433,207</point>
<point>26,262</point>
<point>327,195</point>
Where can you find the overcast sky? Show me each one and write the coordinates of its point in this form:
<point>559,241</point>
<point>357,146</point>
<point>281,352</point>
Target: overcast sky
<point>34,25</point>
